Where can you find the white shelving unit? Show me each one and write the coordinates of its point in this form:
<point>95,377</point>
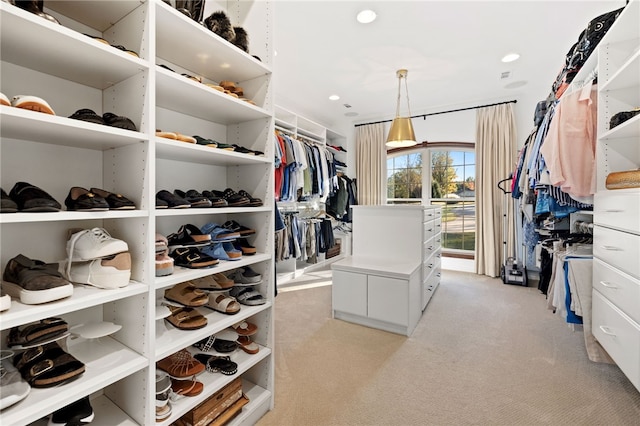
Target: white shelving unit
<point>56,153</point>
<point>616,245</point>
<point>298,126</point>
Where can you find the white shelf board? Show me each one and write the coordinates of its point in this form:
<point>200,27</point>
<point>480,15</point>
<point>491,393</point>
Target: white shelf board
<point>106,414</point>
<point>83,297</point>
<point>308,134</point>
<point>106,361</point>
<point>215,381</point>
<point>185,274</point>
<point>626,77</point>
<point>174,29</point>
<point>177,93</point>
<point>628,129</point>
<point>69,215</point>
<point>81,59</point>
<point>99,15</point>
<point>22,124</point>
<point>170,149</point>
<point>171,339</point>
<point>625,26</point>
<point>208,211</point>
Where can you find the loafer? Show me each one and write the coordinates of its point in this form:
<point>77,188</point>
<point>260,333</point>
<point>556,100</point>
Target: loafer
<point>34,282</point>
<point>30,198</point>
<point>172,201</point>
<point>215,200</point>
<point>113,120</point>
<point>116,201</point>
<point>83,200</point>
<point>7,205</point>
<point>88,115</point>
<point>253,201</point>
<point>195,198</point>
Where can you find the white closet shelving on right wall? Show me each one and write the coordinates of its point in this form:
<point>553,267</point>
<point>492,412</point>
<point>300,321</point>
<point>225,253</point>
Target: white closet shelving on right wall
<point>310,207</point>
<point>616,245</point>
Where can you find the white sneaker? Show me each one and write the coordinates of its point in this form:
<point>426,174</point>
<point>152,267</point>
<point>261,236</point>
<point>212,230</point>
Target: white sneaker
<point>95,243</point>
<point>5,302</point>
<point>109,272</point>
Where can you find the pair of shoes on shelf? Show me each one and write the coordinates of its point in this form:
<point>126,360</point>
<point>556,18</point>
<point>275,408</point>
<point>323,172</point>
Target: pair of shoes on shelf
<point>245,276</point>
<point>175,136</point>
<point>96,199</point>
<point>34,282</point>
<point>96,258</point>
<point>117,46</point>
<point>48,365</point>
<point>107,119</point>
<point>25,197</point>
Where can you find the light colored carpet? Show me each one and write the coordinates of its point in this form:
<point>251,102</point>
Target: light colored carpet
<point>484,353</point>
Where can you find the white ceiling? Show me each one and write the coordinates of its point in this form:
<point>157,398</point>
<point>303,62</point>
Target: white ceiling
<point>452,50</point>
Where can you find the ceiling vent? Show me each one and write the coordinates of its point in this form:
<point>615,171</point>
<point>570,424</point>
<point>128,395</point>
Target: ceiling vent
<point>347,106</point>
<point>505,75</point>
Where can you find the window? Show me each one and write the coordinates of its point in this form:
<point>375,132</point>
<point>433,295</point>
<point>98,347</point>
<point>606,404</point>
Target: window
<point>448,174</point>
<point>453,179</point>
<point>404,178</point>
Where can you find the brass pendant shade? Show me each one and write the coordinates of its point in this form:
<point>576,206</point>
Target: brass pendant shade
<point>401,133</point>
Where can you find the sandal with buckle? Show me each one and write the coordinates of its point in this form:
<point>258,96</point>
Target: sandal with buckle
<point>185,318</point>
<point>188,236</point>
<point>35,333</point>
<point>191,257</point>
<point>223,304</point>
<point>186,294</point>
<point>48,365</point>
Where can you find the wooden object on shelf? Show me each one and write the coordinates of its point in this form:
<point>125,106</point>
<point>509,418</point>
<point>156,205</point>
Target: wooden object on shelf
<point>215,405</point>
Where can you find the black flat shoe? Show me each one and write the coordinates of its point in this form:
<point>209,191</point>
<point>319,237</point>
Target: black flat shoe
<point>115,201</point>
<point>172,200</point>
<point>8,205</point>
<point>82,200</point>
<point>89,115</point>
<point>119,121</point>
<point>30,198</point>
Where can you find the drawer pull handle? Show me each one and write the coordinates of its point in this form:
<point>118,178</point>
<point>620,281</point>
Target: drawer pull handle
<point>612,248</point>
<point>613,211</point>
<point>607,285</point>
<point>606,331</point>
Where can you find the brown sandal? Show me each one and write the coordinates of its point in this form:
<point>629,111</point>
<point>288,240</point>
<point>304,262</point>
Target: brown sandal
<point>186,318</point>
<point>181,365</point>
<point>186,294</point>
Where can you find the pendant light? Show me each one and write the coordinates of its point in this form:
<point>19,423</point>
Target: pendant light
<point>401,132</point>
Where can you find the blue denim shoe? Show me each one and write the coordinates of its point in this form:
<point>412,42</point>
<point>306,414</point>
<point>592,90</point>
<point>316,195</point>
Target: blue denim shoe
<point>216,251</point>
<point>232,252</point>
<point>219,233</point>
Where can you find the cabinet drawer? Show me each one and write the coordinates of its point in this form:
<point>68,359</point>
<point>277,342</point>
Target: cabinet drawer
<point>621,289</point>
<point>429,230</point>
<point>428,214</point>
<point>349,292</point>
<point>620,210</point>
<point>437,226</point>
<point>388,299</point>
<point>619,249</point>
<point>432,264</point>
<point>618,335</point>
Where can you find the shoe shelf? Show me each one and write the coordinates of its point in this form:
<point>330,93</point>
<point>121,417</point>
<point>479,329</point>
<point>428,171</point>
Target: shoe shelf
<point>170,339</point>
<point>83,297</point>
<point>106,362</point>
<point>185,274</point>
<point>27,125</point>
<point>76,58</point>
<point>207,54</point>
<point>106,414</point>
<point>215,381</point>
<point>178,93</point>
<point>70,216</point>
<point>191,153</point>
<point>258,396</point>
<point>208,211</point>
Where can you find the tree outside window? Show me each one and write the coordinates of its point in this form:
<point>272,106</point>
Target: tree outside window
<point>404,177</point>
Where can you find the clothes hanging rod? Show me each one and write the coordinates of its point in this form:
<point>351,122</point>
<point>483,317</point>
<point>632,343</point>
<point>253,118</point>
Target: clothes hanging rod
<point>441,112</point>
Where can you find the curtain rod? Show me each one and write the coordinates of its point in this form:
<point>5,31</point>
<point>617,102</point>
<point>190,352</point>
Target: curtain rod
<point>441,112</point>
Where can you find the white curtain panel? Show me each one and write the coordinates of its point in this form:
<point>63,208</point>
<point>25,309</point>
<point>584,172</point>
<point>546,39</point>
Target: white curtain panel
<point>371,155</point>
<point>495,160</point>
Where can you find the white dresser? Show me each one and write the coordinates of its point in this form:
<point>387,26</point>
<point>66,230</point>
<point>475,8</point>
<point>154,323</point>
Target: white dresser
<point>616,245</point>
<point>394,269</point>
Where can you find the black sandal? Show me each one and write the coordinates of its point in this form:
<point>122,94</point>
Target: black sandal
<point>48,365</point>
<point>218,364</point>
<point>34,333</point>
<point>88,115</point>
<point>191,257</point>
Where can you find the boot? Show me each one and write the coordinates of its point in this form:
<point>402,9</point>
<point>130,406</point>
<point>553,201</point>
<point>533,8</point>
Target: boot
<point>37,8</point>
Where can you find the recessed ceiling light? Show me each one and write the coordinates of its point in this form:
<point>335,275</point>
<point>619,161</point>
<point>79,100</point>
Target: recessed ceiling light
<point>510,57</point>
<point>334,97</point>
<point>366,16</point>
